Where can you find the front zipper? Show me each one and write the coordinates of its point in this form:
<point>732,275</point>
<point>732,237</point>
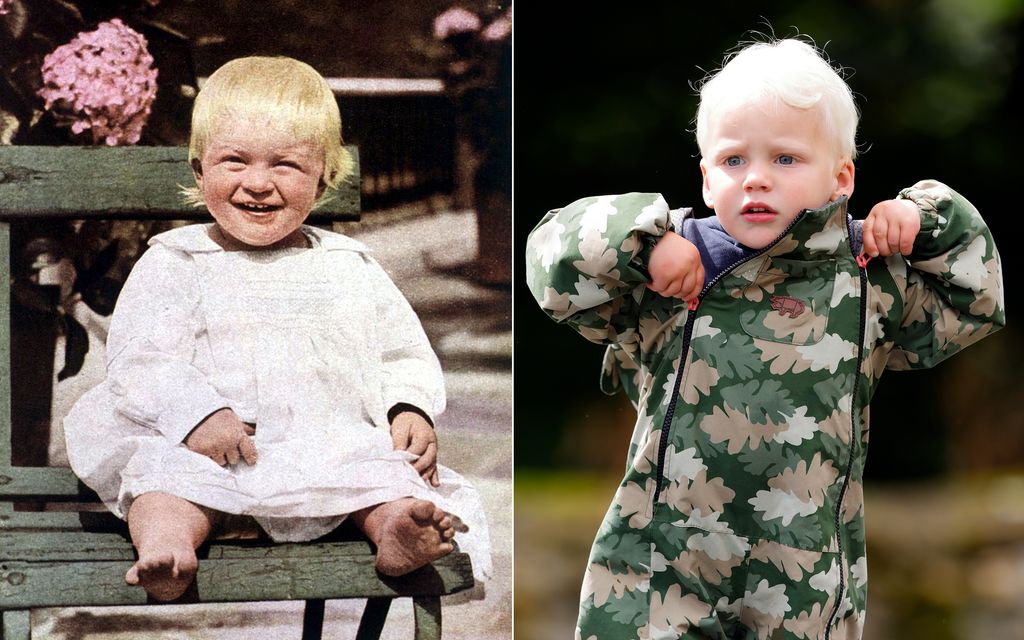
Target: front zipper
<point>687,331</point>
<point>862,271</point>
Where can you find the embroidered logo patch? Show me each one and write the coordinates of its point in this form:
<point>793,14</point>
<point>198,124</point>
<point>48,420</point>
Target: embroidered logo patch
<point>786,305</point>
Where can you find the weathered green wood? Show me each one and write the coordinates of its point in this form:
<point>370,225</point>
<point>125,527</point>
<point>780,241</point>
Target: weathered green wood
<point>50,546</point>
<point>5,351</point>
<point>118,182</point>
<point>20,482</point>
<point>426,613</point>
<point>44,545</point>
<point>11,520</point>
<point>100,583</point>
<point>17,625</point>
<point>374,615</point>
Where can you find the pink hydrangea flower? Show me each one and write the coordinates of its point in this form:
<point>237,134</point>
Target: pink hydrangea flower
<point>500,28</point>
<point>454,21</point>
<point>102,80</point>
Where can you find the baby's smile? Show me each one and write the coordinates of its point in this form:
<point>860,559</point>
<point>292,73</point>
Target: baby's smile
<point>258,208</point>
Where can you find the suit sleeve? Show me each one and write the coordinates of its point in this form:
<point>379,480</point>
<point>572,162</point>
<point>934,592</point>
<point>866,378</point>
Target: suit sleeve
<point>953,289</point>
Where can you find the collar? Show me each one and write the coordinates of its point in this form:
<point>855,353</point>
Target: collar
<point>194,238</point>
<point>816,234</point>
<point>813,235</point>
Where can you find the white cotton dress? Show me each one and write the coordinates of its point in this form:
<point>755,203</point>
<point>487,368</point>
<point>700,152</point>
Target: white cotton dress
<point>313,346</point>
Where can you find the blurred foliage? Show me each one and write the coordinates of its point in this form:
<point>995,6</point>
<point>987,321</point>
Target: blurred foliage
<point>605,104</point>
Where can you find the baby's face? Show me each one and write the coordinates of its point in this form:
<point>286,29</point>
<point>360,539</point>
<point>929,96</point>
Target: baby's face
<point>259,182</point>
<point>765,164</point>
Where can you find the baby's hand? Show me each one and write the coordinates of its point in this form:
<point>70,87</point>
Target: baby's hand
<point>891,227</point>
<point>223,438</point>
<point>675,268</point>
<point>411,432</point>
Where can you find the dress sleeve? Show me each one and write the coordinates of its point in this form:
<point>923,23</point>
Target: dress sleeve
<point>151,345</point>
<point>587,262</point>
<point>953,287</point>
<point>410,371</point>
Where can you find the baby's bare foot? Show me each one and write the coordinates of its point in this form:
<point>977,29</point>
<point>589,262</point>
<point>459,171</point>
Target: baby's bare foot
<point>164,575</point>
<point>410,533</point>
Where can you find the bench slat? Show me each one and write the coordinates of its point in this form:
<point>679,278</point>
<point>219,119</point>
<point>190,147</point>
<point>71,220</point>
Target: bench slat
<point>100,583</point>
<point>118,183</point>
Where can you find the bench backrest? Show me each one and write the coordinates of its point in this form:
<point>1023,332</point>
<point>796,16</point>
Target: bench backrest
<point>76,183</point>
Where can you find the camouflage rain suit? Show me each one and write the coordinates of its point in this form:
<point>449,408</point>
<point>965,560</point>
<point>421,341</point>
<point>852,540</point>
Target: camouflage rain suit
<point>741,511</point>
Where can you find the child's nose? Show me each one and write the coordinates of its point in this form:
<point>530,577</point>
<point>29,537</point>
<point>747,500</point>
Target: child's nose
<point>257,180</point>
<point>756,179</point>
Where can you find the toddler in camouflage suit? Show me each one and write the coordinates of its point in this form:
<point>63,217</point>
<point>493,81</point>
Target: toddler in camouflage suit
<point>750,344</point>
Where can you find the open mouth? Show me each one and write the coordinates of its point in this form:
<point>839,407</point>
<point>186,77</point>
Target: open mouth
<point>256,208</point>
<point>758,213</point>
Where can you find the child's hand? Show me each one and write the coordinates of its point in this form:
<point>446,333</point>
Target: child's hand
<point>411,432</point>
<point>675,268</point>
<point>223,438</point>
<point>891,227</point>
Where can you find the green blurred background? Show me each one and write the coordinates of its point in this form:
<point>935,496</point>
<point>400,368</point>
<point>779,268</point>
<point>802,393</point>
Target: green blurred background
<point>604,104</point>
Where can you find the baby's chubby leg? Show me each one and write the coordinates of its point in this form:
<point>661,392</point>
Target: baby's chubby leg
<point>408,532</point>
<point>166,530</point>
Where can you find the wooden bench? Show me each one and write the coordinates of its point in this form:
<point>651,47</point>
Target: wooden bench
<point>57,558</point>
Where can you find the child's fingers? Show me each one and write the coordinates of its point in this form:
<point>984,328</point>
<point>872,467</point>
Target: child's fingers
<point>672,288</point>
<point>907,238</point>
<point>400,434</point>
<point>895,236</point>
<point>233,455</point>
<point>694,283</point>
<point>426,460</point>
<point>868,237</point>
<point>247,447</point>
<point>880,234</point>
<point>420,439</point>
<point>434,480</point>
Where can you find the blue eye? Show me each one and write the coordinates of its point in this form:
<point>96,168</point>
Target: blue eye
<point>786,160</point>
<point>733,161</point>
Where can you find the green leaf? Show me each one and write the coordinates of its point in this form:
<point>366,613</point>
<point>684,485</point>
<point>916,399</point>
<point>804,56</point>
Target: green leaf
<point>733,355</point>
<point>629,550</point>
<point>770,459</point>
<point>761,401</point>
<point>673,534</point>
<point>831,390</point>
<point>802,533</point>
<point>631,608</point>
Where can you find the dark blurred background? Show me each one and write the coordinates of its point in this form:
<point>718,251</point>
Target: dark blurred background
<point>604,103</point>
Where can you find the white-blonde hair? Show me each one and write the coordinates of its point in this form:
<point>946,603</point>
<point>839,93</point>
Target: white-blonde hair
<point>790,71</point>
<point>278,91</point>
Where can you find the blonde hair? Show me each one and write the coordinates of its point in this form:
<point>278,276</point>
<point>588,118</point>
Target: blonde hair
<point>790,71</point>
<point>280,91</point>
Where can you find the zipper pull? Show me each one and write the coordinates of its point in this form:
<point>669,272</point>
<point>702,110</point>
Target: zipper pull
<point>862,260</point>
<point>693,304</point>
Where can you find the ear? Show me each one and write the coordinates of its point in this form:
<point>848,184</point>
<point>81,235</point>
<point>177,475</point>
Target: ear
<point>706,188</point>
<point>321,187</point>
<point>197,172</point>
<point>844,179</point>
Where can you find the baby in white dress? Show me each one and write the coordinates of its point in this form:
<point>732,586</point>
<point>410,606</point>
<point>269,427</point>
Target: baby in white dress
<point>261,367</point>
